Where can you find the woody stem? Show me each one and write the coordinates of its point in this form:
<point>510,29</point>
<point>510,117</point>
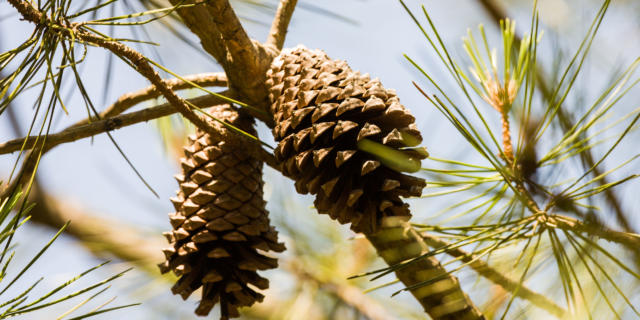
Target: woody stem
<point>507,146</point>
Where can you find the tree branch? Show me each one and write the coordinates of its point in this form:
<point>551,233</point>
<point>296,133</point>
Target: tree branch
<point>438,291</point>
<point>483,269</point>
<point>128,100</point>
<point>280,23</point>
<point>142,65</point>
<point>628,239</point>
<point>81,131</point>
<point>240,47</point>
<point>145,69</point>
<point>200,22</point>
<point>247,60</point>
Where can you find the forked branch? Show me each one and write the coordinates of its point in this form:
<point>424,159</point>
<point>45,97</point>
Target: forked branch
<point>244,60</point>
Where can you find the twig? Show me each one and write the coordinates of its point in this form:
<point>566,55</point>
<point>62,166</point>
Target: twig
<point>507,145</point>
<point>280,23</point>
<point>77,132</point>
<point>145,69</point>
<point>128,100</point>
<point>630,240</point>
<point>483,269</point>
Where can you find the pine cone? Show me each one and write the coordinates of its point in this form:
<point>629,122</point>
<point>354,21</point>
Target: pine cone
<point>343,137</point>
<point>220,223</point>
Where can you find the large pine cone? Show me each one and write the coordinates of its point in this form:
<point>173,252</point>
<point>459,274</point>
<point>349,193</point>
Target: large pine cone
<point>220,224</point>
<point>343,137</point>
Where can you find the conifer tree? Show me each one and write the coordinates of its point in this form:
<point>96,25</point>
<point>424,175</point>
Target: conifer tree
<point>526,193</point>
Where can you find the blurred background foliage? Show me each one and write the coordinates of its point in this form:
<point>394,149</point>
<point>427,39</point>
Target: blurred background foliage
<point>114,216</point>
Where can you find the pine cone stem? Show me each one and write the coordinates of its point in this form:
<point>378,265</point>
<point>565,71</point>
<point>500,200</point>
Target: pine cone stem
<point>443,299</point>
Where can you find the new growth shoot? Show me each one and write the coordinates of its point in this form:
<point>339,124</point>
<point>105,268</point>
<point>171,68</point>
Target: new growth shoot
<point>498,89</point>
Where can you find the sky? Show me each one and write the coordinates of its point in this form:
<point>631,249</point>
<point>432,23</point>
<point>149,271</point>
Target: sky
<point>377,34</point>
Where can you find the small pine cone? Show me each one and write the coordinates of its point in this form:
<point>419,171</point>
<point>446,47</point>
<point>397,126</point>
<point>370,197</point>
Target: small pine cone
<point>343,137</point>
<point>220,227</point>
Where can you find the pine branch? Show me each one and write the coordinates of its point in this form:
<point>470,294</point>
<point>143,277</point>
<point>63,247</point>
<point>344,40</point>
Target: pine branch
<point>438,291</point>
<point>81,131</point>
<point>244,60</point>
<point>141,63</point>
<point>483,269</point>
<point>280,23</point>
<point>240,47</point>
<point>497,14</point>
<point>128,100</point>
<point>201,24</point>
<point>628,239</point>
